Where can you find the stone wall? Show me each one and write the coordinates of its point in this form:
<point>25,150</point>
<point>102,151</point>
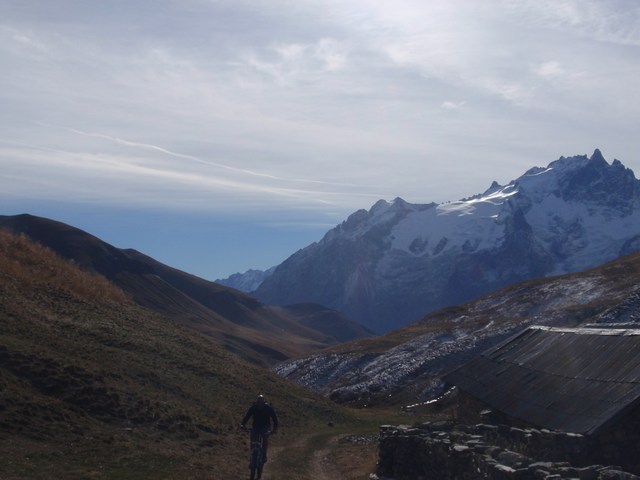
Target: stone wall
<point>618,444</point>
<point>444,451</point>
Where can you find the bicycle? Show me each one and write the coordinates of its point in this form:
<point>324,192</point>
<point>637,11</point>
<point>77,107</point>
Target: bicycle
<point>256,457</point>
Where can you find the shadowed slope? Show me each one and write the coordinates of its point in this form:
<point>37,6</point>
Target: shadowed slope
<point>235,319</point>
<point>405,365</point>
<point>335,325</point>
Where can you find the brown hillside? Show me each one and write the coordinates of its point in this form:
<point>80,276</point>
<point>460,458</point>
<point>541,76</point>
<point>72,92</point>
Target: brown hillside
<point>94,386</point>
<point>262,334</point>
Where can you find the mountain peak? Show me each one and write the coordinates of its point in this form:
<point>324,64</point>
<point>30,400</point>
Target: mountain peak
<point>596,182</point>
<point>597,157</point>
<point>399,260</point>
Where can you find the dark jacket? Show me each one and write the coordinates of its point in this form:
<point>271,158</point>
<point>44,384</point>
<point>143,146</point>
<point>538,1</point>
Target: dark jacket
<point>262,417</point>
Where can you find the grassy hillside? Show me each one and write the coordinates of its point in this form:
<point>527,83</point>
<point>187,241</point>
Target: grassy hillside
<point>94,386</point>
<point>262,334</point>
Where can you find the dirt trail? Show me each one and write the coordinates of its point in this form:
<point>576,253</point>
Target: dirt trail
<point>321,466</point>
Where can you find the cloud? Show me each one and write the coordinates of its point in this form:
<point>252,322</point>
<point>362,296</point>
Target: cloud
<point>612,21</point>
<point>291,64</point>
<point>332,53</point>
<point>194,159</point>
<point>22,41</point>
<point>141,174</point>
<point>448,105</point>
<point>550,70</point>
<point>312,103</point>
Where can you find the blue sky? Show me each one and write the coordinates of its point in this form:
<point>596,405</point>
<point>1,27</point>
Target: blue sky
<point>218,136</point>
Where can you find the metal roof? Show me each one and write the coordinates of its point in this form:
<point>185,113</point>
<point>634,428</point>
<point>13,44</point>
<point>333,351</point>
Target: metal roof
<point>577,380</point>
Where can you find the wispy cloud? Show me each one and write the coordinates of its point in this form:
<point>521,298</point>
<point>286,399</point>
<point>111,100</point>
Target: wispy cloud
<point>449,105</point>
<point>550,70</point>
<point>191,158</point>
<point>335,102</point>
<point>128,178</point>
<point>291,64</point>
<point>612,21</point>
<point>241,109</point>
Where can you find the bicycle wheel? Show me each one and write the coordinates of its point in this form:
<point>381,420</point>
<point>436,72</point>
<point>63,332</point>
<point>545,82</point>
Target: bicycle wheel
<point>255,464</point>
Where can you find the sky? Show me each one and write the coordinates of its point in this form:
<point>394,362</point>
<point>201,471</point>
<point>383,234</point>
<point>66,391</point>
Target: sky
<point>218,136</point>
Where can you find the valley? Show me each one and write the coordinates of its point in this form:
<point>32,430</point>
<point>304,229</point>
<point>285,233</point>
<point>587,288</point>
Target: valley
<point>114,365</point>
<point>260,333</point>
<point>96,386</point>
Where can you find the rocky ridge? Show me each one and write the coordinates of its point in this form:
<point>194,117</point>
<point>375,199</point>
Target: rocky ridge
<point>390,265</point>
<point>404,366</point>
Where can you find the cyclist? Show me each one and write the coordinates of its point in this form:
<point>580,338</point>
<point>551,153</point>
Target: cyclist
<point>263,415</point>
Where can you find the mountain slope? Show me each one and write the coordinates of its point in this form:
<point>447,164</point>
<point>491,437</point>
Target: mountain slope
<point>332,323</point>
<point>390,265</point>
<point>95,386</point>
<point>403,367</point>
<point>245,326</point>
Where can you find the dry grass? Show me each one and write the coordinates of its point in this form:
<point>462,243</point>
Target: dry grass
<point>346,450</point>
<point>94,386</point>
<point>28,265</point>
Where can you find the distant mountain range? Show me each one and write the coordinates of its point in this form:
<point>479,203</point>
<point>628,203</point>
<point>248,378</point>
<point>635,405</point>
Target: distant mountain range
<point>392,264</point>
<point>248,281</point>
<point>403,367</point>
<point>234,319</point>
<point>388,266</point>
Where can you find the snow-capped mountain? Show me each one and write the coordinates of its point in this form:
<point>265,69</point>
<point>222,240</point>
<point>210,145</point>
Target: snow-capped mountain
<point>247,281</point>
<point>392,264</point>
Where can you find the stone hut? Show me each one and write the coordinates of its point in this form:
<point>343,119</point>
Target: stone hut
<point>582,382</point>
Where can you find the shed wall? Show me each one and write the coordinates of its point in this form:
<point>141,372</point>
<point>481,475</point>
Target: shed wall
<point>618,445</point>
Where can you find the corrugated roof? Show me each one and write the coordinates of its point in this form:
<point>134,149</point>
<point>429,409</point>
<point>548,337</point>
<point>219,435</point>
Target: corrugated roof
<point>576,380</point>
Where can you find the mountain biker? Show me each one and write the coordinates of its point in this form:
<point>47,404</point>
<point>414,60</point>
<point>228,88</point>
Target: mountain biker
<point>263,415</point>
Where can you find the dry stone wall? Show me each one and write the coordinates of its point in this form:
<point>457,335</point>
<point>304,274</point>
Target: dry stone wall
<point>617,444</point>
<point>444,451</point>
